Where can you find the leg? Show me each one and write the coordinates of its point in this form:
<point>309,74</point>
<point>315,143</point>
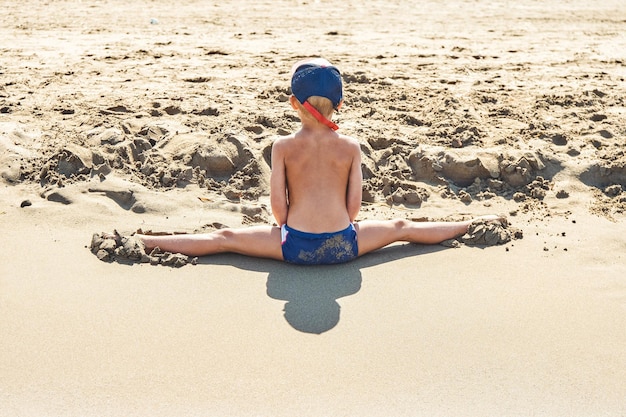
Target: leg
<point>375,234</point>
<point>258,241</point>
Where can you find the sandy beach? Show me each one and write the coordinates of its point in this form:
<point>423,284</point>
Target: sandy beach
<point>158,116</point>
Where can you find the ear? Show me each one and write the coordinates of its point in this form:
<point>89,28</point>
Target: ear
<point>340,104</point>
<point>294,102</point>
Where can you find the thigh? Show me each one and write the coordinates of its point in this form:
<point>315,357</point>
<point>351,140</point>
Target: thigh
<point>258,241</point>
<point>375,234</point>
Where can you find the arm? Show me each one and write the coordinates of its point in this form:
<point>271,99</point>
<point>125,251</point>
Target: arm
<point>278,185</point>
<point>354,193</point>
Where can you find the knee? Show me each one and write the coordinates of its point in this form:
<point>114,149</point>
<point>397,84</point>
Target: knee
<point>400,224</point>
<point>223,238</point>
<point>401,229</point>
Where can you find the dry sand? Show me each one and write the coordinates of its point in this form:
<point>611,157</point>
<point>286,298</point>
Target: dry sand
<point>161,116</point>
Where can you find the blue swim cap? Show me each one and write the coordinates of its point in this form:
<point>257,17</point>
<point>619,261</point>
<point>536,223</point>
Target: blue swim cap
<point>317,78</point>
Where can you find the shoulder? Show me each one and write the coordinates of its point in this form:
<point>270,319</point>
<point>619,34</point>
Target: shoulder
<point>281,142</point>
<point>351,143</point>
<point>349,139</point>
<point>282,147</point>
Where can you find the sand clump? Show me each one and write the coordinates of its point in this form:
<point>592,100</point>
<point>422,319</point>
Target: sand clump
<point>486,233</point>
<point>489,233</point>
<point>109,247</point>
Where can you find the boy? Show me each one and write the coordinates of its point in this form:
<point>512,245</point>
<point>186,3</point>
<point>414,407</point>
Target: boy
<point>315,192</point>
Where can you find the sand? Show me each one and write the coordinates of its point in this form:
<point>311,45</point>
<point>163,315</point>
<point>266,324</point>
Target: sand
<point>160,117</point>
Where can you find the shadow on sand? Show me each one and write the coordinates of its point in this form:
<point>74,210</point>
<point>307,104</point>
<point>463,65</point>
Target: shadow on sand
<point>311,292</point>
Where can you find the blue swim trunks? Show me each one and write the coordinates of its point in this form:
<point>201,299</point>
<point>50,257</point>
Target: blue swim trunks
<point>319,248</point>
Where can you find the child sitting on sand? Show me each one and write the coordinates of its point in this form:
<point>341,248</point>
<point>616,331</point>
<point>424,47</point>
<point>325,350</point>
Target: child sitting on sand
<point>315,192</point>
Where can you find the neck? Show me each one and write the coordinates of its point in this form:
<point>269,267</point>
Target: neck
<point>319,116</point>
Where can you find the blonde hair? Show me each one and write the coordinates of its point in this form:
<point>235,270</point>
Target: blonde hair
<point>322,104</point>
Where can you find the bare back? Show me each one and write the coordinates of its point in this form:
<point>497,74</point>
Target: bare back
<point>322,177</point>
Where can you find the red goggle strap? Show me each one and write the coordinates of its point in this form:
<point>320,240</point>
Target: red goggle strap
<point>319,116</point>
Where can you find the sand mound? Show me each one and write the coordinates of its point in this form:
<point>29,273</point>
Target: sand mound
<point>129,249</point>
<point>477,145</point>
<point>487,233</point>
